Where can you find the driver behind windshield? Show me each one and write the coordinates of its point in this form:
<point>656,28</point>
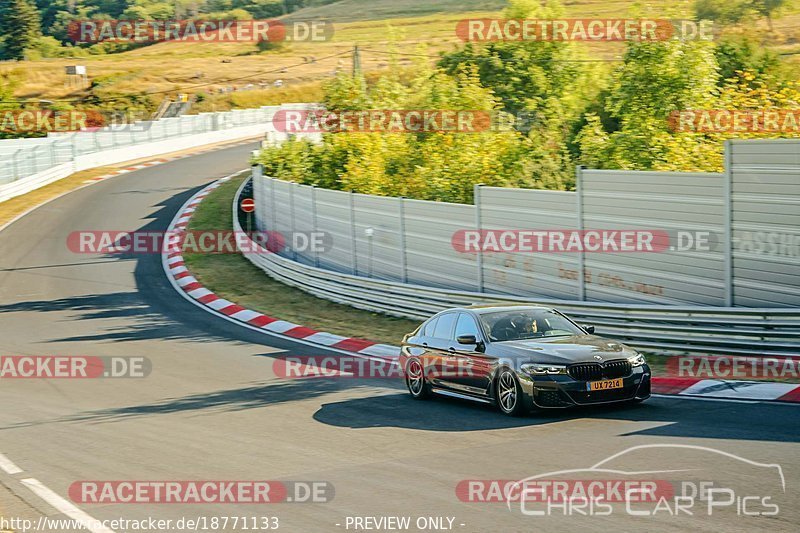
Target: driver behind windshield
<point>513,325</point>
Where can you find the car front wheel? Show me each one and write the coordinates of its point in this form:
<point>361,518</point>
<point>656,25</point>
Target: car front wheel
<point>508,393</point>
<point>415,380</point>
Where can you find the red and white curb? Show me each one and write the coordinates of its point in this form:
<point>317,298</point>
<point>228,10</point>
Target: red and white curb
<point>719,388</point>
<point>188,286</point>
<point>130,169</point>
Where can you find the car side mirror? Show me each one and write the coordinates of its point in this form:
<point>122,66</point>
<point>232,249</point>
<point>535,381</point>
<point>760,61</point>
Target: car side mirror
<point>587,328</point>
<point>467,339</point>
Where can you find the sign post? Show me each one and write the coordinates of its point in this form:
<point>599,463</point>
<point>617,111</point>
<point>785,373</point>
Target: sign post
<point>248,205</point>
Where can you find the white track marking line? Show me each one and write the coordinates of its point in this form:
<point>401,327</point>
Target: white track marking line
<point>65,507</point>
<point>8,465</point>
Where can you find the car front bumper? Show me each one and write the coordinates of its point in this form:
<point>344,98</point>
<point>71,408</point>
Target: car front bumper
<point>562,391</point>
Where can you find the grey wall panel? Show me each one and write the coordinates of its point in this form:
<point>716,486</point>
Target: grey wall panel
<point>752,294</point>
<point>692,264</point>
<point>302,222</point>
<point>430,255</point>
<point>766,153</point>
<point>333,217</point>
<point>765,184</point>
<point>634,181</point>
<point>529,273</point>
<point>280,206</point>
<point>661,202</point>
<point>642,285</point>
<point>261,197</point>
<point>378,256</point>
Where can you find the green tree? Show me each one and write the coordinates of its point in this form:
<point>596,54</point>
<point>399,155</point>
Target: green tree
<point>19,27</point>
<point>723,11</point>
<point>655,79</point>
<point>770,8</point>
<point>9,81</point>
<point>736,11</point>
<point>742,54</point>
<point>544,84</point>
<point>431,166</point>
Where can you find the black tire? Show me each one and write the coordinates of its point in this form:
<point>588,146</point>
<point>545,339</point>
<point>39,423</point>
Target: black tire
<point>415,380</point>
<point>508,393</point>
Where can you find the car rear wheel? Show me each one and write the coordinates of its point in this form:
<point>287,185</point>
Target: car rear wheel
<point>508,393</point>
<point>415,380</point>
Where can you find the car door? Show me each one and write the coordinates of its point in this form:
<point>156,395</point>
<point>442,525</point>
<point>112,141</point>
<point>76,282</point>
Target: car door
<point>416,345</point>
<point>422,345</point>
<point>438,356</point>
<point>474,367</point>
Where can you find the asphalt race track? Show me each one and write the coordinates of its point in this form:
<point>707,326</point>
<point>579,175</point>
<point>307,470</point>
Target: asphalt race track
<point>212,408</point>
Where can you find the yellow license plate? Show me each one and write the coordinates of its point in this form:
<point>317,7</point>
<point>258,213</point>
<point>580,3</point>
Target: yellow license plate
<point>606,384</point>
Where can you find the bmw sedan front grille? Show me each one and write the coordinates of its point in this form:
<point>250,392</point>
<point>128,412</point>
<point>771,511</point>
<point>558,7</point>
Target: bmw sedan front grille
<point>617,369</point>
<point>596,371</point>
<point>585,372</point>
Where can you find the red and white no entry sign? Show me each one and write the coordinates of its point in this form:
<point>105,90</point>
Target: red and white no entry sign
<point>248,205</point>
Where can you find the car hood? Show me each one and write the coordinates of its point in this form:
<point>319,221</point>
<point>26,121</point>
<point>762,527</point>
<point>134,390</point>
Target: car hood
<point>564,350</point>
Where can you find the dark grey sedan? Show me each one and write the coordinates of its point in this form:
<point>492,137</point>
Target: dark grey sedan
<point>520,358</point>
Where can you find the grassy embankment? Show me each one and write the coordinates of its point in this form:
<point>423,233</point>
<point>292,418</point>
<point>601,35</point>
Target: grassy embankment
<point>236,279</point>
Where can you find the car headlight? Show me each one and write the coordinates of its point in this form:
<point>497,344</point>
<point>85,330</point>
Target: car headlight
<point>637,360</point>
<point>537,369</point>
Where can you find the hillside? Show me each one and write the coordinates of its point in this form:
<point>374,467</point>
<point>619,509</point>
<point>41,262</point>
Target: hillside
<point>351,10</point>
<point>377,26</point>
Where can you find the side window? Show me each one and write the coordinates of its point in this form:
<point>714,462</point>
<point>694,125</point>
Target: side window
<point>444,326</point>
<point>427,329</point>
<point>466,326</point>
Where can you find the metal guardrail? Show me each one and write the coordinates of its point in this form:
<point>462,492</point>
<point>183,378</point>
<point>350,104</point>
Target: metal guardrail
<point>713,330</point>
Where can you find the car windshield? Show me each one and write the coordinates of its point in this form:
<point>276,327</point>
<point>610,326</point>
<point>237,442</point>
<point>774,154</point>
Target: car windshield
<point>526,324</point>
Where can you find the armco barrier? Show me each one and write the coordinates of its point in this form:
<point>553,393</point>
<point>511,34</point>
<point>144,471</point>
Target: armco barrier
<point>721,330</point>
<point>27,164</point>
